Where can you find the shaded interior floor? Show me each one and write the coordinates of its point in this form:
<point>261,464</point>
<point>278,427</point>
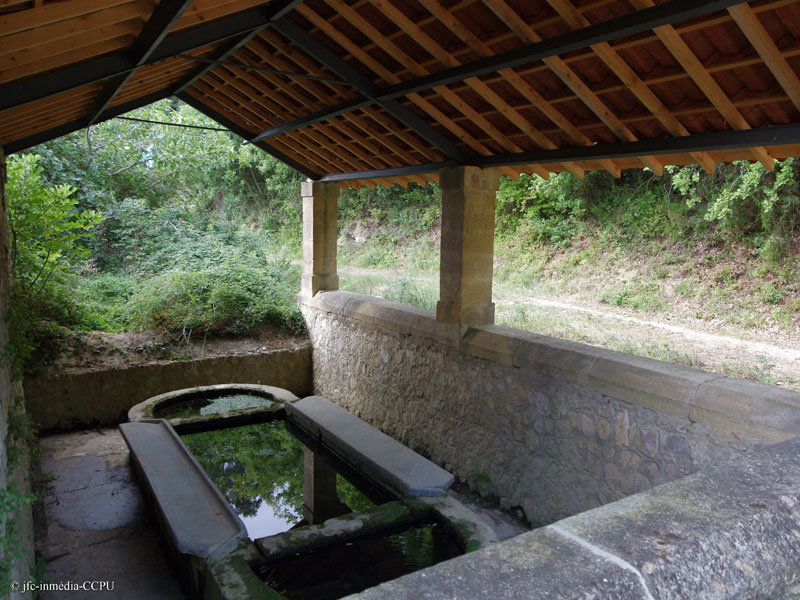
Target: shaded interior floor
<point>92,523</point>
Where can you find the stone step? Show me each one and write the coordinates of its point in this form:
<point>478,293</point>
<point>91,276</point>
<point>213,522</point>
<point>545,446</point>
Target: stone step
<point>369,450</point>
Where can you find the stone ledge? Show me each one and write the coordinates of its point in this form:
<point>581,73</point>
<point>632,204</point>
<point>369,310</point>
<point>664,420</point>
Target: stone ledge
<point>726,405</point>
<point>371,451</point>
<point>731,531</point>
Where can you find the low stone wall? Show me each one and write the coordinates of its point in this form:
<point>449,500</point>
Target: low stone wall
<point>104,397</point>
<point>554,427</point>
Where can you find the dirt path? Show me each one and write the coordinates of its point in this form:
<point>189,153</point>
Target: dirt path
<point>768,357</point>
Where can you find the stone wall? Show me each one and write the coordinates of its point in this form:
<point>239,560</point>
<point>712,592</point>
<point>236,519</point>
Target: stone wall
<point>9,391</point>
<point>104,397</point>
<point>554,427</point>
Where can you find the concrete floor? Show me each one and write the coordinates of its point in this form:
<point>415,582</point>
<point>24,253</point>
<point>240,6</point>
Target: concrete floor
<point>93,524</point>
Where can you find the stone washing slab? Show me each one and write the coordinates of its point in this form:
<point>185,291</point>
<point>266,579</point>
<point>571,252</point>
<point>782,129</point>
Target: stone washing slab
<point>537,565</point>
<point>198,519</point>
<point>368,449</point>
<point>729,532</point>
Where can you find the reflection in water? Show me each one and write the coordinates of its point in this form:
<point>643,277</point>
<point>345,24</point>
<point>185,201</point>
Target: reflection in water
<point>347,568</point>
<point>259,470</point>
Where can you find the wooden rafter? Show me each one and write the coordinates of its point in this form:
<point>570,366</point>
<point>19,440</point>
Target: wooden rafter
<point>571,79</point>
<point>488,94</point>
<point>368,29</point>
<point>626,74</point>
<point>752,27</point>
<point>704,80</point>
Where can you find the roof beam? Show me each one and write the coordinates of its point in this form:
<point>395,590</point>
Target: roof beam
<point>721,140</point>
<point>117,63</point>
<point>642,20</point>
<point>673,41</point>
<point>620,68</point>
<point>242,132</point>
<point>360,82</point>
<point>163,18</point>
<point>619,27</point>
<point>78,124</point>
<point>751,26</point>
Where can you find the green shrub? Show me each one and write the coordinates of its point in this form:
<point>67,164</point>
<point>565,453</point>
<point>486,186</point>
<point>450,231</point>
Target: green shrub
<point>232,297</point>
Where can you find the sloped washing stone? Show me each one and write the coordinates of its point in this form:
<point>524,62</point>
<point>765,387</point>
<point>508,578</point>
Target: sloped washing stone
<point>198,519</point>
<point>536,565</point>
<point>368,449</point>
<point>732,531</point>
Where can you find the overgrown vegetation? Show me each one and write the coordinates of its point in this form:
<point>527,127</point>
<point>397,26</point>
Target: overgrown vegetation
<point>19,442</point>
<point>133,225</point>
<point>193,232</point>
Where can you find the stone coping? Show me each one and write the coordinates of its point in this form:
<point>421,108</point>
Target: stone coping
<point>145,410</point>
<point>369,450</point>
<point>743,408</point>
<point>731,531</point>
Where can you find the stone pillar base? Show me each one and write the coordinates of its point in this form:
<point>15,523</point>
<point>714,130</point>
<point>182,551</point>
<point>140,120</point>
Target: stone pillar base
<point>311,284</point>
<point>465,315</point>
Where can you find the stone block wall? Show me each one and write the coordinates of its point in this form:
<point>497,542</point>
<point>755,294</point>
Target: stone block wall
<point>554,427</point>
<point>104,397</point>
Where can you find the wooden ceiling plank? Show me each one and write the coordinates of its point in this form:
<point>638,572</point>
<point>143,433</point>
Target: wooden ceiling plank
<point>457,102</point>
<point>420,37</point>
<point>316,91</point>
<point>53,12</point>
<point>158,25</point>
<point>564,72</point>
<point>230,105</point>
<point>66,58</point>
<point>288,56</point>
<point>376,67</point>
<point>282,108</point>
<point>72,33</point>
<point>680,50</point>
<point>752,27</point>
<point>360,125</point>
<point>626,74</point>
<point>227,97</point>
<point>487,93</point>
<point>364,86</point>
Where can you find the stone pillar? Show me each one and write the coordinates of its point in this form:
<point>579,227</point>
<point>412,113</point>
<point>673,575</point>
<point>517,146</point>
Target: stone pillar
<point>465,272</point>
<point>320,500</point>
<point>319,237</point>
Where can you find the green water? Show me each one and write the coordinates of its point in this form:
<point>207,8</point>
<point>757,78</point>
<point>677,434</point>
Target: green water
<point>259,470</point>
<point>211,406</point>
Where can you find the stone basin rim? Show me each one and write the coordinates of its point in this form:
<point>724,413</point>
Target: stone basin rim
<point>145,410</point>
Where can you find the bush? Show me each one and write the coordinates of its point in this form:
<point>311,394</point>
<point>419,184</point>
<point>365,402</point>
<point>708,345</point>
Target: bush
<point>48,235</point>
<point>231,297</point>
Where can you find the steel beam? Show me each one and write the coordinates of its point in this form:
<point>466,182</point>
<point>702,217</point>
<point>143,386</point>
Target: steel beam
<point>117,63</point>
<point>780,135</point>
<point>637,22</point>
<point>164,16</point>
<point>323,55</point>
<point>242,132</point>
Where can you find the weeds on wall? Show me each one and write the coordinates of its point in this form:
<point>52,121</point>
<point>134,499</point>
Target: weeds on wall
<point>20,441</point>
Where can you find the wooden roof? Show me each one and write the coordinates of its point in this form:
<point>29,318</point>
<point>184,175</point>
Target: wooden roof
<point>355,90</point>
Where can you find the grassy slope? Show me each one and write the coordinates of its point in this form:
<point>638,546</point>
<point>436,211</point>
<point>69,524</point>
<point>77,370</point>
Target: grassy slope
<point>699,284</point>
